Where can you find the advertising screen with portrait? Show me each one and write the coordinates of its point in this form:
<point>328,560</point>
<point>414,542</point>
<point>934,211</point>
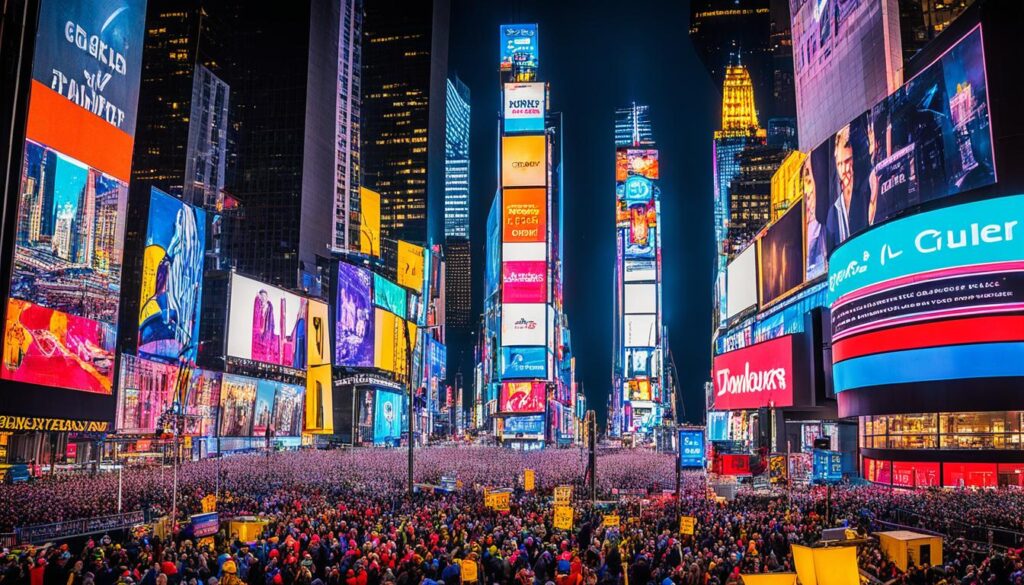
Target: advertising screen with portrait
<point>203,403</point>
<point>522,397</point>
<point>266,324</point>
<point>288,405</point>
<point>237,401</point>
<point>524,161</point>
<point>354,319</point>
<point>387,419</point>
<point>263,413</point>
<point>781,251</point>
<point>172,279</point>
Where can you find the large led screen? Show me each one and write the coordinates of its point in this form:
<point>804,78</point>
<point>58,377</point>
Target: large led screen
<point>524,216</point>
<point>640,330</point>
<point>387,419</point>
<point>524,161</point>
<point>266,324</point>
<point>524,281</point>
<point>524,363</point>
<point>846,57</point>
<point>237,400</point>
<point>524,107</point>
<point>354,313</point>
<point>757,376</point>
<point>523,324</point>
<point>522,397</point>
<point>518,46</point>
<point>410,266</point>
<point>288,406</point>
<point>781,250</point>
<point>636,161</point>
<point>263,414</point>
<point>319,401</point>
<point>524,425</point>
<point>741,282</point>
<point>369,222</point>
<point>525,252</point>
<point>639,270</point>
<point>172,279</point>
<point>929,140</point>
<point>145,392</point>
<point>203,403</point>
<point>494,247</point>
<point>390,345</point>
<point>318,334</point>
<point>691,448</point>
<point>389,296</point>
<point>641,298</point>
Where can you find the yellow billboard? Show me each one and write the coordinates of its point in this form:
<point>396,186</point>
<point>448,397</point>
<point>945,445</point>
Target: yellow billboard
<point>410,266</point>
<point>389,346</point>
<point>563,517</point>
<point>319,401</point>
<point>318,337</point>
<point>369,222</point>
<point>524,161</point>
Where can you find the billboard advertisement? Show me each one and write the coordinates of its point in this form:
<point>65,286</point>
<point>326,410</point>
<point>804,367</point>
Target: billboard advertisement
<point>369,222</point>
<point>387,418</point>
<point>494,247</point>
<point>318,351</point>
<point>522,397</point>
<point>641,298</point>
<point>263,413</point>
<point>524,281</point>
<point>953,262</point>
<point>319,401</point>
<point>266,324</point>
<point>288,402</point>
<point>524,161</point>
<point>781,253</point>
<point>410,266</point>
<point>640,330</point>
<point>353,327</point>
<point>741,282</point>
<point>846,57</point>
<point>929,140</point>
<point>638,390</point>
<point>203,403</point>
<point>524,362</point>
<point>172,279</point>
<point>639,270</point>
<point>518,46</point>
<point>237,400</point>
<point>524,107</point>
<point>523,324</point>
<point>527,252</point>
<point>524,215</point>
<point>826,466</point>
<point>691,448</point>
<point>646,250</point>
<point>389,296</point>
<point>757,376</point>
<point>389,348</point>
<point>524,425</point>
<point>146,391</point>
<point>642,162</point>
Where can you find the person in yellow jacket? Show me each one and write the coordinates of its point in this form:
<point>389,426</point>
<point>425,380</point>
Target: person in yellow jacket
<point>470,570</point>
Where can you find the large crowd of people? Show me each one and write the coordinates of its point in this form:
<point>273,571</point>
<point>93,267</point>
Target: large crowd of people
<point>344,518</point>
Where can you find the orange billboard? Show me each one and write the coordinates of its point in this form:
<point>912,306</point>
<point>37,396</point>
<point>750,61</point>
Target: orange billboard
<point>524,215</point>
<point>524,161</point>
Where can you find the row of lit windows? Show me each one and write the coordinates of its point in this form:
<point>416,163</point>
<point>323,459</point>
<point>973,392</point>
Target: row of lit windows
<point>962,430</point>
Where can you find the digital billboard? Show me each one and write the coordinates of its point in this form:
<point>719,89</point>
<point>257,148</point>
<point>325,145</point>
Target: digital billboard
<point>389,296</point>
<point>524,252</point>
<point>929,140</point>
<point>645,250</point>
<point>826,466</point>
<point>145,391</point>
<point>288,407</point>
<point>524,161</point>
<point>638,390</point>
<point>524,281</point>
<point>389,348</point>
<point>266,324</point>
<point>494,247</point>
<point>524,362</point>
<point>640,330</point>
<point>318,334</point>
<point>524,107</point>
<point>410,266</point>
<point>523,324</point>
<point>237,400</point>
<point>387,418</point>
<point>639,270</point>
<point>172,279</point>
<point>641,298</point>
<point>846,57</point>
<point>781,254</point>
<point>369,222</point>
<point>524,215</point>
<point>524,425</point>
<point>518,46</point>
<point>354,317</point>
<point>522,397</point>
<point>319,401</point>
<point>691,448</point>
<point>757,376</point>
<point>741,282</point>
<point>203,403</point>
<point>641,361</point>
<point>816,174</point>
<point>263,413</point>
<point>642,162</point>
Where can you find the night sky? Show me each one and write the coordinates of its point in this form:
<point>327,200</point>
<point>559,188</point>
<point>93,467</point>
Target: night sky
<point>599,55</point>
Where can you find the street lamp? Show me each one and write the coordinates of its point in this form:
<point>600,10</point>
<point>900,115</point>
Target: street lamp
<point>412,396</point>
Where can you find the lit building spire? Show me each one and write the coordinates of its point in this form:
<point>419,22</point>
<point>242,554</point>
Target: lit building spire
<point>738,112</point>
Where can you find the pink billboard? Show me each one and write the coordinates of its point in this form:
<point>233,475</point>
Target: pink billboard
<point>757,376</point>
<point>524,281</point>
<point>522,397</point>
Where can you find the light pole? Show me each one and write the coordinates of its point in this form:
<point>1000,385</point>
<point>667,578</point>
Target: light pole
<point>412,396</point>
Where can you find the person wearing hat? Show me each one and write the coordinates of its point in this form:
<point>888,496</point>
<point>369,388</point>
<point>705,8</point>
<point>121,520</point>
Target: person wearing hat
<point>230,573</point>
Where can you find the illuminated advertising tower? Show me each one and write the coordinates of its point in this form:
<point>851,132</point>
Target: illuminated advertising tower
<point>640,397</point>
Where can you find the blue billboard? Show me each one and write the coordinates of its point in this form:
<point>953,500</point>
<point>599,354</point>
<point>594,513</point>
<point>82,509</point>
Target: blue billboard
<point>524,363</point>
<point>387,418</point>
<point>517,45</point>
<point>691,448</point>
<point>204,525</point>
<point>827,466</point>
<point>525,425</point>
<point>389,296</point>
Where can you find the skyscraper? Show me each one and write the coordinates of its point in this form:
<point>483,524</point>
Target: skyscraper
<point>750,193</point>
<point>298,134</point>
<point>456,160</point>
<point>633,126</point>
<point>404,77</point>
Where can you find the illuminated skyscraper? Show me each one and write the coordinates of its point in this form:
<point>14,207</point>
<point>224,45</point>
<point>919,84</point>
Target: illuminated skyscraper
<point>404,79</point>
<point>633,126</point>
<point>458,281</point>
<point>750,194</point>
<point>456,160</point>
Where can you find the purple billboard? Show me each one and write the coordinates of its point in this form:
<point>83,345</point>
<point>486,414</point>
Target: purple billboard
<point>353,325</point>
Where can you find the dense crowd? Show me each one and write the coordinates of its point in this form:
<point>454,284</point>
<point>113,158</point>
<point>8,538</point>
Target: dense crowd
<point>343,518</point>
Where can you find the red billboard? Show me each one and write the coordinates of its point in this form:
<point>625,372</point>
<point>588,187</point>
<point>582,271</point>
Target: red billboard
<point>524,281</point>
<point>522,397</point>
<point>756,376</point>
